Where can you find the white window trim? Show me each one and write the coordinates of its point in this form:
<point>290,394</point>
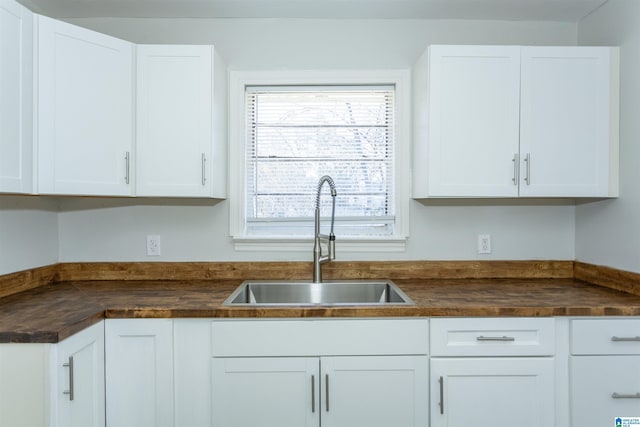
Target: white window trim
<point>238,80</point>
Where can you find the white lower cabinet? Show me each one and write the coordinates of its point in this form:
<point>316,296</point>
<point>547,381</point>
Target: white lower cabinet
<point>79,393</point>
<point>367,391</point>
<point>490,392</point>
<point>139,372</point>
<point>604,371</point>
<point>492,372</point>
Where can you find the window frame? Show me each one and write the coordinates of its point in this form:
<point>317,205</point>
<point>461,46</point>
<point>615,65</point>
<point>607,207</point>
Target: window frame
<point>239,80</point>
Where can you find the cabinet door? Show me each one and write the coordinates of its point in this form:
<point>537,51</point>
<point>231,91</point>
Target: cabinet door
<point>85,120</point>
<point>266,392</point>
<point>174,143</point>
<point>80,371</point>
<point>492,392</point>
<point>374,391</point>
<point>569,99</point>
<point>139,372</point>
<point>602,388</point>
<point>473,120</point>
<point>16,97</point>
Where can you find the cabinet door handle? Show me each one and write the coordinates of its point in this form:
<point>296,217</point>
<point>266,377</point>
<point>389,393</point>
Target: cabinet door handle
<point>502,338</point>
<point>127,164</point>
<point>441,381</point>
<point>70,366</point>
<point>527,176</point>
<point>627,339</point>
<point>625,396</point>
<point>326,391</point>
<point>204,169</point>
<point>313,393</point>
<point>516,164</point>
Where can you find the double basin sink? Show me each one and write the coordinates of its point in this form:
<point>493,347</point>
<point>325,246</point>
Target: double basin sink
<point>328,293</point>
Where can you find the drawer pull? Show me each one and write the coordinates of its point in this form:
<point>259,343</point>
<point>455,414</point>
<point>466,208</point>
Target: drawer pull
<point>627,339</point>
<point>625,396</point>
<point>503,338</point>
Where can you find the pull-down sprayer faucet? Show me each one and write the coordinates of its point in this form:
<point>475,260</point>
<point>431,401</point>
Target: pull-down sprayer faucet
<point>318,258</point>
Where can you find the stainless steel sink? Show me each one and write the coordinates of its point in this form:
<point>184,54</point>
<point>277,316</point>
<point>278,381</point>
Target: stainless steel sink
<point>333,293</point>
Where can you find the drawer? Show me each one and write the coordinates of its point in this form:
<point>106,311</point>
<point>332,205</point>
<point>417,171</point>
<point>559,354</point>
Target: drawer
<point>605,336</point>
<point>493,337</point>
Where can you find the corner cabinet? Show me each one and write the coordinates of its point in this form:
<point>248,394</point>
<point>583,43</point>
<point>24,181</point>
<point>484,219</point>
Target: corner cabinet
<point>16,98</point>
<point>510,121</point>
<point>181,100</point>
<point>84,111</point>
<point>79,393</point>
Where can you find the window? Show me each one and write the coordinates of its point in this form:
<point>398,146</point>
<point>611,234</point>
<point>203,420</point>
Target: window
<point>291,134</point>
<point>298,134</point>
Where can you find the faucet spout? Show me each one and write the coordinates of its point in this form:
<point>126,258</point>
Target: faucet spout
<point>318,257</point>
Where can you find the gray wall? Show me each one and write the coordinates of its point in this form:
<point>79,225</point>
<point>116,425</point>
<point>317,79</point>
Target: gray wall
<point>608,232</point>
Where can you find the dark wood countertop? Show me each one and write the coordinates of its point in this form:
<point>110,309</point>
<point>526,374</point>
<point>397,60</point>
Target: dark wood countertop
<point>50,313</point>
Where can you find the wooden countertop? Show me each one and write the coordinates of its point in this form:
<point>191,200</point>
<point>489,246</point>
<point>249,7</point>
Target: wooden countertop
<point>50,313</point>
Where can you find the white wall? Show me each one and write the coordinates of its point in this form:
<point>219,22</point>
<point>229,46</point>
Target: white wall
<point>108,229</point>
<point>608,232</point>
<point>28,233</point>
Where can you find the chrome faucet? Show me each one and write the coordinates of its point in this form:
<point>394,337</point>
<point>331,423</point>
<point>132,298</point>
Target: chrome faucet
<point>318,258</point>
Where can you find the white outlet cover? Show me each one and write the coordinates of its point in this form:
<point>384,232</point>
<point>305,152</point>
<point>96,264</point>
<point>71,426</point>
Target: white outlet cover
<point>153,245</point>
<point>484,243</point>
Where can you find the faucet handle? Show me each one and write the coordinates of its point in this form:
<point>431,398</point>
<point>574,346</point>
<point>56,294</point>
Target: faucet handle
<point>332,247</point>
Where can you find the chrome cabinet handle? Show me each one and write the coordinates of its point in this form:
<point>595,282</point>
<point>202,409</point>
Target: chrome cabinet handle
<point>326,391</point>
<point>313,393</point>
<point>204,169</point>
<point>70,366</point>
<point>441,381</point>
<point>527,161</point>
<point>516,165</point>
<point>502,338</point>
<point>625,396</point>
<point>127,163</point>
<point>627,339</point>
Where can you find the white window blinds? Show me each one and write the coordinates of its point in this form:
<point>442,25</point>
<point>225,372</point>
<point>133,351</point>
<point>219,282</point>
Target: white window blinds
<point>298,134</point>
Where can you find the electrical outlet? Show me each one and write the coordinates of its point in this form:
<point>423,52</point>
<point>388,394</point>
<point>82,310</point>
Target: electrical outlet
<point>484,243</point>
<point>153,245</point>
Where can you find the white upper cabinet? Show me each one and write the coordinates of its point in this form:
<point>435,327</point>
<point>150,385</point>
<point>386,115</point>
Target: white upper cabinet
<point>509,121</point>
<point>16,98</point>
<point>568,121</point>
<point>84,111</point>
<point>177,153</point>
<point>471,121</point>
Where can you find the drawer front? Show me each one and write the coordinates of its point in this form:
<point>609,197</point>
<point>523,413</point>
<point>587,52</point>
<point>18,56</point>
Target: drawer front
<point>314,337</point>
<point>602,388</point>
<point>493,337</point>
<point>605,336</point>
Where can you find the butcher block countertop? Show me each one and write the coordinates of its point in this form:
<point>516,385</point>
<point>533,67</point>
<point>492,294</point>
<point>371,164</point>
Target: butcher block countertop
<point>51,312</point>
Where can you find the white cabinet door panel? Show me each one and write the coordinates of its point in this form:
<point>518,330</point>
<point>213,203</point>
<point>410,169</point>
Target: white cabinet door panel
<point>473,127</point>
<point>80,360</point>
<point>492,392</point>
<point>16,97</point>
<point>85,117</point>
<point>374,391</point>
<point>566,121</point>
<point>174,143</point>
<point>266,392</point>
<point>139,372</point>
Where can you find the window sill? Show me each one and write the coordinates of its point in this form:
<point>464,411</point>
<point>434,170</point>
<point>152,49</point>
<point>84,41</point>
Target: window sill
<point>345,244</point>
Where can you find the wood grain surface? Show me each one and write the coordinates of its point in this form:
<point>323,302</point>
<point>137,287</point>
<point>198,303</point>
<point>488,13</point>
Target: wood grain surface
<point>55,302</point>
